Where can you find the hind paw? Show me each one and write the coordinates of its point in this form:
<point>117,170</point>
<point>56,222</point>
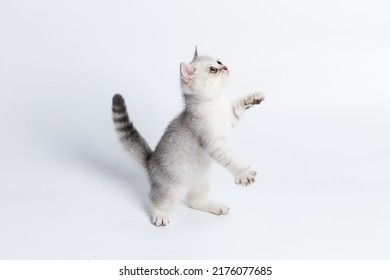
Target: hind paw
<point>160,219</point>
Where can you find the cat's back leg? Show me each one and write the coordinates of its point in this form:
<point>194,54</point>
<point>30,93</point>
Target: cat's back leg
<point>162,198</point>
<point>197,198</point>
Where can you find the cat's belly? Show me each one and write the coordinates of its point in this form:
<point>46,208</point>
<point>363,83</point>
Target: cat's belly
<point>195,169</point>
<point>192,161</point>
<point>181,162</point>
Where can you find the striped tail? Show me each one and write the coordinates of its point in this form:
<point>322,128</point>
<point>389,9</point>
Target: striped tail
<point>133,142</point>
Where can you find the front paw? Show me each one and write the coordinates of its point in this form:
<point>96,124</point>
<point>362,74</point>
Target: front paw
<point>245,178</point>
<point>254,99</point>
<point>258,97</point>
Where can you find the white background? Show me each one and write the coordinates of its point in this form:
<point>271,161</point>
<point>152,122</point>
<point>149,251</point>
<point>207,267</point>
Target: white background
<point>320,141</point>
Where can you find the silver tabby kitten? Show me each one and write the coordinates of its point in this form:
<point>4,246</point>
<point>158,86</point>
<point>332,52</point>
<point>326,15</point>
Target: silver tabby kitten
<point>179,166</point>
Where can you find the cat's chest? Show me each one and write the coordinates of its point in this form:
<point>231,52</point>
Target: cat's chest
<point>216,118</point>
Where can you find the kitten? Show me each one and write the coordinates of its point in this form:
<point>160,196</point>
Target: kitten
<point>179,166</point>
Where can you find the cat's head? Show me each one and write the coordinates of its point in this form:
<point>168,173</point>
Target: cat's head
<point>203,76</point>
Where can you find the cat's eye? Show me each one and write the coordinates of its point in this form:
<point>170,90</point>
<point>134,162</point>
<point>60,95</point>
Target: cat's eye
<point>213,70</point>
<point>219,62</point>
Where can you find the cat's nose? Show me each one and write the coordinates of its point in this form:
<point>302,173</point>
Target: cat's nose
<point>224,68</point>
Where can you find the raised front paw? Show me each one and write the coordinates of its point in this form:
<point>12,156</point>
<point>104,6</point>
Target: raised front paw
<point>258,97</point>
<point>254,99</point>
<point>246,177</point>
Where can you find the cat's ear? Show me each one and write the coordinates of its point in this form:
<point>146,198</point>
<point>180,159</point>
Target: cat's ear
<point>187,72</point>
<point>195,54</point>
